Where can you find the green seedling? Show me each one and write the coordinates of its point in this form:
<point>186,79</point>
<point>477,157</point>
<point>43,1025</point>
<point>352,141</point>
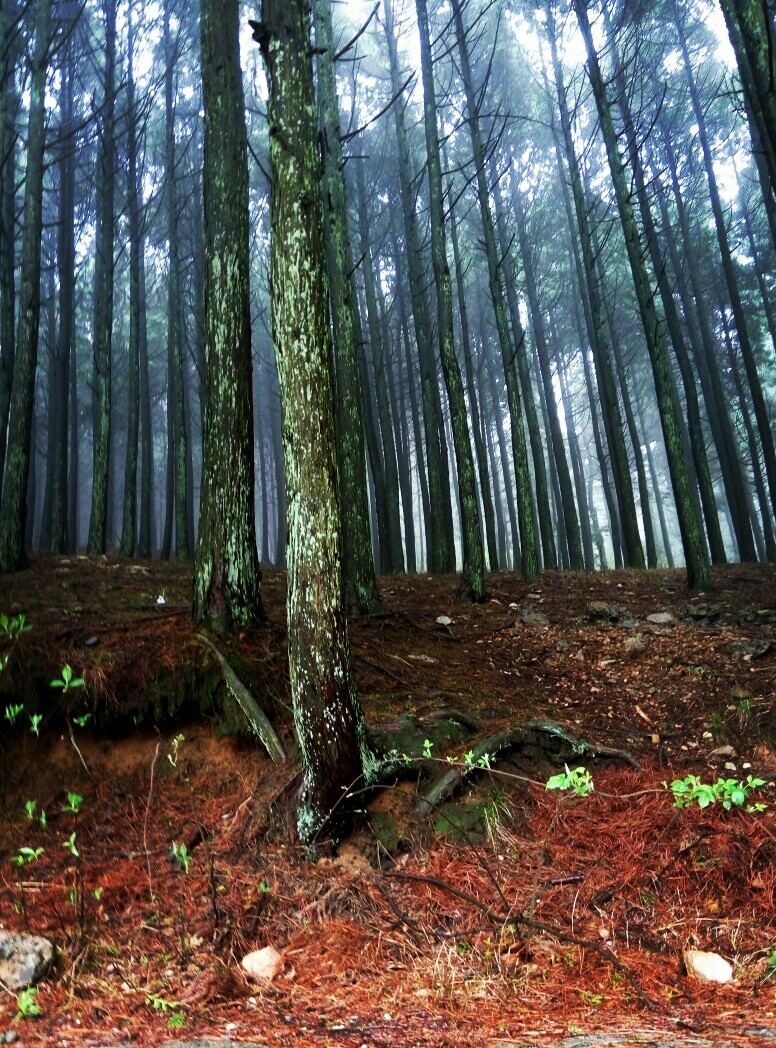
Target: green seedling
<point>35,722</point>
<point>12,712</point>
<point>730,793</point>
<point>27,1006</point>
<point>181,855</point>
<point>25,855</point>
<point>67,681</point>
<point>74,802</point>
<point>578,780</point>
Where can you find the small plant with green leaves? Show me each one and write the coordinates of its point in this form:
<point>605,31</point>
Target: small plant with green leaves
<point>770,965</point>
<point>578,780</point>
<point>181,855</point>
<point>730,793</point>
<point>67,681</point>
<point>12,711</point>
<point>25,856</point>
<point>27,1006</point>
<point>160,1003</point>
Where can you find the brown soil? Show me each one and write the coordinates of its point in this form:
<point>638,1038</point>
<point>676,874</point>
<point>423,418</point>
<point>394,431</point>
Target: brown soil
<point>553,915</point>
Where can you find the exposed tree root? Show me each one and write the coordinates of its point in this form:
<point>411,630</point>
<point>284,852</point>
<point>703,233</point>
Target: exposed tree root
<point>506,740</point>
<point>257,720</point>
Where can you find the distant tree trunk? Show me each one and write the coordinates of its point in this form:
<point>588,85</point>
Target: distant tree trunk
<point>439,491</point>
<point>227,576</point>
<point>568,507</point>
<point>703,347</point>
<point>474,409</point>
<point>541,508</point>
<point>658,495</point>
<point>102,337</point>
<point>60,378</point>
<point>145,540</point>
<point>624,522</point>
<point>585,510</point>
<point>358,565</point>
<point>529,547</point>
<point>696,435</point>
<point>177,452</point>
<point>696,558</point>
<point>728,266</point>
<point>329,721</point>
<point>390,465</point>
<point>13,512</point>
<point>129,516</point>
<point>473,581</point>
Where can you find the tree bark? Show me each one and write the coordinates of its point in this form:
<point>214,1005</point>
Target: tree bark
<point>227,576</point>
<point>329,720</point>
<point>13,513</point>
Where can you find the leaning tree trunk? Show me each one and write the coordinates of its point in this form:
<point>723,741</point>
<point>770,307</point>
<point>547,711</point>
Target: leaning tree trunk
<point>473,587</point>
<point>696,558</point>
<point>227,576</point>
<point>329,721</point>
<point>13,513</point>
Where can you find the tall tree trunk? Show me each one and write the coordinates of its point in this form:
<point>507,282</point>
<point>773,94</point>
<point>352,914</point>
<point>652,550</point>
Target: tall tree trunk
<point>528,543</point>
<point>177,455</point>
<point>473,580</point>
<point>329,721</point>
<point>102,337</point>
<point>474,408</point>
<point>10,39</point>
<point>227,576</point>
<point>703,346</point>
<point>439,490</point>
<point>624,523</point>
<point>696,558</point>
<point>13,512</point>
<point>671,314</point>
<point>568,507</point>
<point>129,516</point>
<point>60,378</point>
<point>585,510</point>
<point>379,363</point>
<point>358,564</point>
<point>755,387</point>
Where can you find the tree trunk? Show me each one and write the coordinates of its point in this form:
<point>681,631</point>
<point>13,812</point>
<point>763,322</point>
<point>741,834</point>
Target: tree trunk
<point>361,594</point>
<point>728,266</point>
<point>473,580</point>
<point>102,336</point>
<point>529,546</point>
<point>227,576</point>
<point>624,522</point>
<point>329,721</point>
<point>696,558</point>
<point>13,513</point>
<point>439,552</point>
<point>129,516</point>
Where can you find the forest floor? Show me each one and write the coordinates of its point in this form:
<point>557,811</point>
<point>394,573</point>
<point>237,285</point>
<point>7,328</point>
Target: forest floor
<point>508,915</point>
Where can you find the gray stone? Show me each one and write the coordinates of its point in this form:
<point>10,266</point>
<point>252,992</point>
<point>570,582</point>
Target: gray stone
<point>602,611</point>
<point>748,649</point>
<point>24,959</point>
<point>662,618</point>
<point>529,616</point>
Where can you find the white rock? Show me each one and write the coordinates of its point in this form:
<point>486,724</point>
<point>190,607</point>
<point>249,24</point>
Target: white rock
<point>661,618</point>
<point>444,620</point>
<point>708,967</point>
<point>262,964</point>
